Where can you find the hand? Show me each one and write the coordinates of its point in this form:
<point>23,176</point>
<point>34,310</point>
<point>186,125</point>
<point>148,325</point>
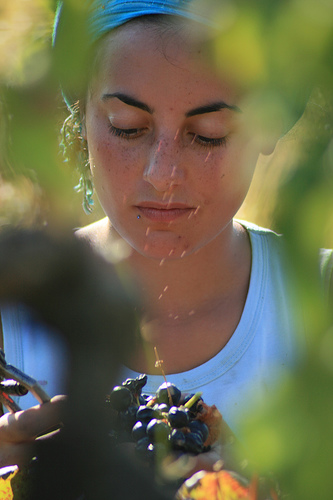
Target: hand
<point>19,430</point>
<point>211,460</point>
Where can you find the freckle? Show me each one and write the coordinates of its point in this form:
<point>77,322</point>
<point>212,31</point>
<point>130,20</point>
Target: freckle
<point>162,262</point>
<point>209,153</point>
<point>191,312</point>
<point>176,134</point>
<point>148,230</point>
<point>165,289</point>
<point>183,254</point>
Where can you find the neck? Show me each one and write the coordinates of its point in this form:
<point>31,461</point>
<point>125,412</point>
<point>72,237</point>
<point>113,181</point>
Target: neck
<point>191,306</point>
<point>184,284</point>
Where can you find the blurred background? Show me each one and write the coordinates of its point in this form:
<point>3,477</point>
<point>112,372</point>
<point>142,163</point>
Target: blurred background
<point>290,70</point>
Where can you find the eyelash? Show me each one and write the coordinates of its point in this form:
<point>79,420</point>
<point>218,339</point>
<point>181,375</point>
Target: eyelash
<point>128,133</point>
<point>205,142</point>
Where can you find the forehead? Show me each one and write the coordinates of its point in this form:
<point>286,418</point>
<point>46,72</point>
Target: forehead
<point>140,50</point>
<point>162,32</point>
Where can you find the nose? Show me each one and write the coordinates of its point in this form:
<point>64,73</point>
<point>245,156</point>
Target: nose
<point>163,169</point>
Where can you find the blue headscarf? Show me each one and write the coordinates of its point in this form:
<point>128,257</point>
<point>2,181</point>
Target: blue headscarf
<point>107,15</point>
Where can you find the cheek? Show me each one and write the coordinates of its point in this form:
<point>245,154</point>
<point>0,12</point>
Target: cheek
<point>228,177</point>
<point>110,164</point>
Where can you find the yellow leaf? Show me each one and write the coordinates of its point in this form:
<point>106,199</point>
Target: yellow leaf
<point>6,492</point>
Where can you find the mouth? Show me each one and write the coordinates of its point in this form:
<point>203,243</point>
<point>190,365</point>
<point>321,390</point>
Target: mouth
<point>157,212</point>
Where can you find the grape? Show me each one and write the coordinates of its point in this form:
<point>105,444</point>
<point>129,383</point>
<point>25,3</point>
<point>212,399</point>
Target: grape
<point>163,407</point>
<point>198,427</point>
<point>144,399</point>
<point>177,417</point>
<point>152,423</point>
<point>194,408</point>
<point>162,394</point>
<point>193,443</point>
<point>120,398</point>
<point>145,413</point>
<point>177,439</point>
<point>139,431</point>
<point>157,430</point>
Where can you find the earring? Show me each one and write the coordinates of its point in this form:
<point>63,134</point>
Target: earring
<point>86,187</point>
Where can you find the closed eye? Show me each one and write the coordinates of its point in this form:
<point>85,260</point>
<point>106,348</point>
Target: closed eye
<point>125,133</point>
<point>209,142</point>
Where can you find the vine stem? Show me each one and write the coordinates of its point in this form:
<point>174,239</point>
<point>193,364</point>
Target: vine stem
<point>158,364</point>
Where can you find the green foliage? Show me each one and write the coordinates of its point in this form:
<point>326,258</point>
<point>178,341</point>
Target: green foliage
<point>32,112</point>
<point>279,51</point>
<point>292,45</point>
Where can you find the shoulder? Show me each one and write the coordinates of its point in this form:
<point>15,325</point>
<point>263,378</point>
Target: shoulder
<point>263,240</point>
<point>258,230</point>
<point>95,233</point>
<point>104,240</point>
<point>94,230</point>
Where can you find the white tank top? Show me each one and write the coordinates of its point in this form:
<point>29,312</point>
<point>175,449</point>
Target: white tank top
<point>262,347</point>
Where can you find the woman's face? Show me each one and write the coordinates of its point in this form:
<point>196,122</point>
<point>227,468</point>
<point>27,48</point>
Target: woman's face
<point>170,159</point>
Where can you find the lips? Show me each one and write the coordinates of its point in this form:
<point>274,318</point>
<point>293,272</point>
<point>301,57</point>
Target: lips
<point>157,212</point>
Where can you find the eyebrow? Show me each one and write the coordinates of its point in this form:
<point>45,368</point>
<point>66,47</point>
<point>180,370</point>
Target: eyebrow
<point>209,108</point>
<point>131,101</point>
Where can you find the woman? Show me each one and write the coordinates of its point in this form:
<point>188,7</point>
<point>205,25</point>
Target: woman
<point>171,157</point>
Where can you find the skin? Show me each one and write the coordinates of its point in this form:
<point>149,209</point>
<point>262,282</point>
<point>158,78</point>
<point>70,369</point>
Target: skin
<point>167,141</point>
<point>19,430</point>
<point>175,157</point>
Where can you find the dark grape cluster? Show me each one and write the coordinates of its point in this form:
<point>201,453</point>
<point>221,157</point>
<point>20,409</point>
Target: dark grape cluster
<point>160,424</point>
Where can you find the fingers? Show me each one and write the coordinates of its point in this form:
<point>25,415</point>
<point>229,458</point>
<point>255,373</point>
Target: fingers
<point>25,426</point>
<point>209,461</point>
<point>15,454</point>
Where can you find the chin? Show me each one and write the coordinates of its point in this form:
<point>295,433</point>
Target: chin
<point>162,250</point>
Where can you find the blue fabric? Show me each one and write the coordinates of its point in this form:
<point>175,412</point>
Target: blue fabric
<point>107,15</point>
